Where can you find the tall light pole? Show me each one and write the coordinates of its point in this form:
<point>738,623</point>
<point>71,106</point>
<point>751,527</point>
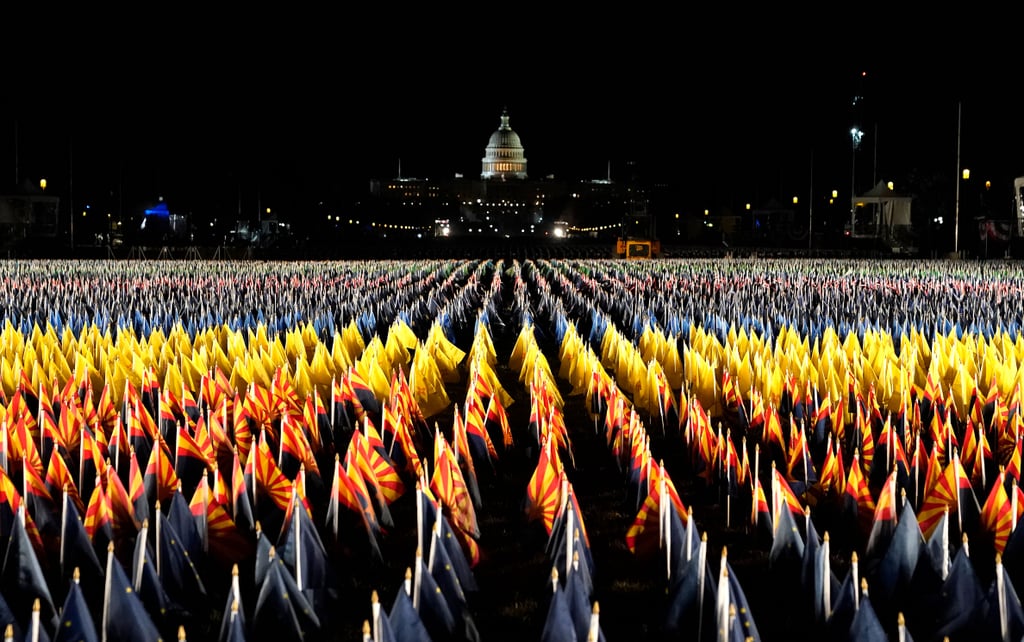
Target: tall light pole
<point>855,135</point>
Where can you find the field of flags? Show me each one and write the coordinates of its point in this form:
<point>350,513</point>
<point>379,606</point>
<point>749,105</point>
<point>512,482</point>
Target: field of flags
<point>325,451</point>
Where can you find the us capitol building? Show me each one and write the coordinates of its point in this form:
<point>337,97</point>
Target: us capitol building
<point>504,201</point>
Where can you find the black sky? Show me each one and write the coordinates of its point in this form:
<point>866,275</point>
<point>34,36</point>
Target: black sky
<point>301,102</point>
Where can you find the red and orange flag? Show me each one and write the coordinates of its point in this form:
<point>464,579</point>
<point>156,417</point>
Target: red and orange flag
<point>996,515</point>
<point>268,475</point>
<point>544,492</point>
<point>449,486</point>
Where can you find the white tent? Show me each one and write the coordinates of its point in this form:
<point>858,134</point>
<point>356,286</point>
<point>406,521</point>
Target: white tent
<point>892,210</point>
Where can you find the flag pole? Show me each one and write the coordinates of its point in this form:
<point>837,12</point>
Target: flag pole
<point>1004,626</point>
<point>157,516</point>
<point>64,523</point>
<point>417,574</point>
<point>689,532</point>
<point>137,580</point>
<point>419,514</point>
<point>663,517</point>
<point>375,611</point>
<point>702,557</point>
<point>106,591</point>
<point>826,585</point>
<point>297,526</point>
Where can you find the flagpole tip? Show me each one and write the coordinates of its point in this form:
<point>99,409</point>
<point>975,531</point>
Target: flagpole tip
<point>181,632</point>
<point>408,572</point>
<point>234,570</point>
<point>374,598</point>
<point>853,557</point>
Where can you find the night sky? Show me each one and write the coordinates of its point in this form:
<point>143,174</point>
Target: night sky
<point>291,108</point>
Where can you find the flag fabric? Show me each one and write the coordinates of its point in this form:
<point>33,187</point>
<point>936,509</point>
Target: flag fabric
<point>159,479</point>
<point>558,623</point>
<point>22,580</point>
<point>893,573</point>
<point>99,518</point>
<point>241,505</point>
<point>224,541</point>
<point>404,619</point>
<point>191,460</point>
<point>953,491</point>
<point>883,521</point>
<point>77,551</point>
<point>962,599</point>
<point>543,493</point>
<point>462,562</point>
<point>296,450</point>
<point>858,502</point>
<point>1004,617</point>
<point>124,618</point>
<point>442,568</point>
<point>866,626</point>
<point>449,486</point>
<point>267,476</point>
<point>434,610</point>
<point>995,514</point>
<point>76,623</point>
<point>690,610</point>
<point>137,489</point>
<point>282,612</point>
<point>177,570</point>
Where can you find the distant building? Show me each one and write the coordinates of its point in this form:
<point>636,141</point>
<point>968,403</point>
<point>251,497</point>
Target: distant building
<point>504,201</point>
<point>27,212</point>
<point>504,159</point>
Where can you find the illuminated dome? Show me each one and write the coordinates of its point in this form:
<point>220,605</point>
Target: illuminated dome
<point>504,157</point>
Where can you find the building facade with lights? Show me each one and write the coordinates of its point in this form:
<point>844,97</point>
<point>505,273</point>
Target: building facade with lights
<point>503,201</point>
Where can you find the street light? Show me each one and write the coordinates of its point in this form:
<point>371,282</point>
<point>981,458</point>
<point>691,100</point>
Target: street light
<point>855,136</point>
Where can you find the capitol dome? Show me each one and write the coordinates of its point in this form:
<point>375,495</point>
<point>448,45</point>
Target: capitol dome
<point>504,157</point>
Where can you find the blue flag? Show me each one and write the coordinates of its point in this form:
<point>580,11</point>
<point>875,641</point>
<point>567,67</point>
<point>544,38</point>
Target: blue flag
<point>124,617</point>
<point>76,623</point>
<point>558,625</point>
<point>405,620</point>
<point>22,580</point>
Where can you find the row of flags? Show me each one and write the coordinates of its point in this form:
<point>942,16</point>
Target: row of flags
<point>266,410</point>
<point>233,470</point>
<point>713,453</point>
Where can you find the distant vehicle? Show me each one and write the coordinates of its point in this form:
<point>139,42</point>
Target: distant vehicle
<point>637,236</point>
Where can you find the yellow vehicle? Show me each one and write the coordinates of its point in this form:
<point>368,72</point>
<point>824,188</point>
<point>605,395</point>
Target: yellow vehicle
<point>637,238</point>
